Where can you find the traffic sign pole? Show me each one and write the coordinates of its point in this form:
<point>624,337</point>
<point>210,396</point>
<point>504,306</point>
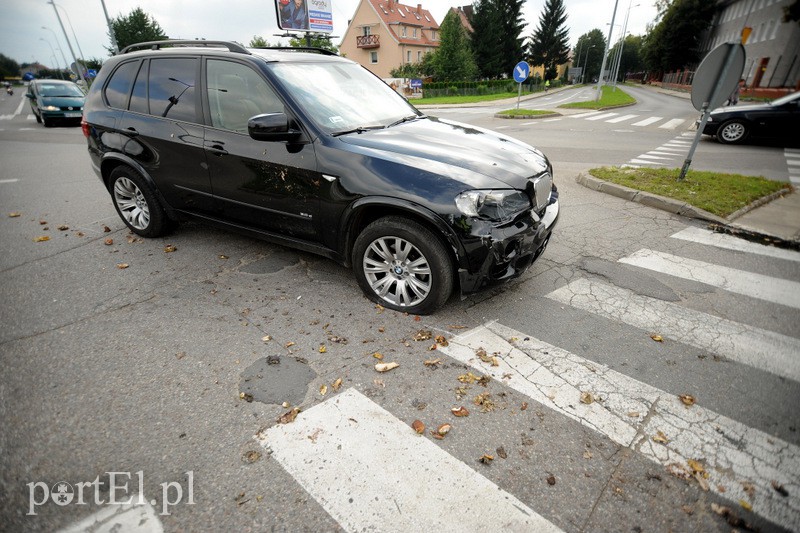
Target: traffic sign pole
<point>521,72</point>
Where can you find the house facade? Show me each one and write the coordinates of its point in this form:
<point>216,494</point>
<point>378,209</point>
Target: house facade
<point>772,51</point>
<point>386,34</point>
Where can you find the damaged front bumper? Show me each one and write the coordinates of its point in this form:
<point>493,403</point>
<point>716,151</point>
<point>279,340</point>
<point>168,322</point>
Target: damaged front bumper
<point>497,253</point>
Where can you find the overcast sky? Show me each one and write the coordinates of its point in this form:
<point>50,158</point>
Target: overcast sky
<point>23,39</point>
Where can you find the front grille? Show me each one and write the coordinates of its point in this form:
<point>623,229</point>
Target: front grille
<point>542,186</point>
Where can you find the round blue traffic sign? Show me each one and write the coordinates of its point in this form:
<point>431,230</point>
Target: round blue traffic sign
<point>521,71</point>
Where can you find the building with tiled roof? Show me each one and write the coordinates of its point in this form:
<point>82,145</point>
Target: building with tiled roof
<point>386,34</point>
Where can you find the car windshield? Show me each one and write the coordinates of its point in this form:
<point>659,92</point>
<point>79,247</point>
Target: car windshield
<point>60,89</point>
<point>343,97</point>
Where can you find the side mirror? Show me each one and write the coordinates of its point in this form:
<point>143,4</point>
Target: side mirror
<point>271,127</point>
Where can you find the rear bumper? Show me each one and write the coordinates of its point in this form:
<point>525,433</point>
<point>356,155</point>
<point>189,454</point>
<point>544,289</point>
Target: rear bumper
<point>507,251</point>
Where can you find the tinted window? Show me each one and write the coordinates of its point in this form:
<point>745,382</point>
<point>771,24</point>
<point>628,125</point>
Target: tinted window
<point>172,93</point>
<point>119,86</point>
<point>236,93</point>
<point>139,95</point>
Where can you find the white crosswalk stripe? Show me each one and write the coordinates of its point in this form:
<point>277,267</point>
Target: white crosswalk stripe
<point>603,116</point>
<point>631,413</point>
<point>342,435</point>
<point>672,124</point>
<point>623,118</point>
<point>728,242</point>
<point>750,284</point>
<point>793,162</point>
<point>647,121</point>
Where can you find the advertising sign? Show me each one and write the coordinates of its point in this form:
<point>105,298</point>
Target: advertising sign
<point>305,15</point>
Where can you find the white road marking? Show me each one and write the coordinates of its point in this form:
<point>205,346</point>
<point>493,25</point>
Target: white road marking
<point>648,156</point>
<point>758,348</point>
<point>631,413</point>
<point>729,242</point>
<point>775,290</point>
<point>672,124</point>
<point>13,180</point>
<point>121,517</point>
<point>623,118</point>
<point>792,162</point>
<point>19,107</point>
<point>603,116</point>
<point>551,119</point>
<point>644,162</point>
<point>647,121</point>
<point>584,115</point>
<point>372,472</point>
<point>672,148</point>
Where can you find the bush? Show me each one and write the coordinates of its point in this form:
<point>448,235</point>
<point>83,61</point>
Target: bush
<point>453,90</point>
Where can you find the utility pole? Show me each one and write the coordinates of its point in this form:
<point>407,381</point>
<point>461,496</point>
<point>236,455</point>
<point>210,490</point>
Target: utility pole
<point>110,29</point>
<point>605,54</point>
<point>69,45</point>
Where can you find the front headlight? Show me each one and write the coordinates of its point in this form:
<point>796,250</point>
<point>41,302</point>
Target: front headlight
<point>51,108</point>
<point>493,205</point>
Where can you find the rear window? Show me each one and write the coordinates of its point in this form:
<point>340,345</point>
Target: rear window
<point>119,85</point>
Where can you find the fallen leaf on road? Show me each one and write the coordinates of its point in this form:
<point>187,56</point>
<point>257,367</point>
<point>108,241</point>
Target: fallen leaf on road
<point>246,396</point>
<point>385,367</point>
<point>687,399</point>
<point>106,229</point>
<point>122,266</point>
<point>469,377</point>
<point>289,416</point>
<point>266,338</point>
<point>109,241</point>
<point>323,390</point>
<point>252,456</point>
<point>432,347</point>
<point>779,488</point>
<point>524,406</point>
<point>289,344</point>
<point>460,411</point>
<point>378,356</point>
<point>380,308</point>
<point>418,426</point>
<point>441,340</point>
<point>551,479</point>
<point>443,430</point>
<point>322,349</point>
<point>747,506</point>
<point>502,452</point>
<point>660,437</point>
<point>14,214</point>
<point>222,256</point>
<point>62,227</point>
<point>170,248</point>
<point>423,335</point>
<point>657,338</point>
<point>42,222</point>
<point>587,398</point>
<point>485,402</point>
<point>337,384</point>
<point>41,239</point>
<point>486,459</point>
<point>432,362</point>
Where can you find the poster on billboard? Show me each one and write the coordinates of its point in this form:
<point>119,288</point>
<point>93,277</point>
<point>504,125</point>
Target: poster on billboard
<point>305,15</point>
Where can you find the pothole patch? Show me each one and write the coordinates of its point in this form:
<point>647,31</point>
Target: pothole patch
<point>275,380</point>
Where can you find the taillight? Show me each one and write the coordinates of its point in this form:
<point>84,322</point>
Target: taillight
<point>85,127</point>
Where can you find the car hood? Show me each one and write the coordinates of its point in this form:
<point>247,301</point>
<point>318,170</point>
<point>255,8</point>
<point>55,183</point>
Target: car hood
<point>741,108</point>
<point>63,101</point>
<point>458,150</point>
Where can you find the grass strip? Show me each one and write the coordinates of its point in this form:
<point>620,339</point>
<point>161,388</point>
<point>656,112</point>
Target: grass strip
<point>610,98</point>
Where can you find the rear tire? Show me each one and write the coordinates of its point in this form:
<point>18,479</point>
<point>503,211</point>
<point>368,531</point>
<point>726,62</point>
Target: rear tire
<point>402,265</point>
<point>136,203</point>
<point>732,132</point>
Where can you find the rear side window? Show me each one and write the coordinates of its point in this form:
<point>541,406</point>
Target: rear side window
<point>119,86</point>
<point>139,95</point>
<point>172,94</point>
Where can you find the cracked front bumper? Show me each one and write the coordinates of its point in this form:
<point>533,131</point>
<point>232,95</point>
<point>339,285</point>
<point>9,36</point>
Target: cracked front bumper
<point>498,253</point>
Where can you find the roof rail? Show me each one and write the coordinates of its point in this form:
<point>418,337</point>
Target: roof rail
<point>157,45</point>
<point>322,51</point>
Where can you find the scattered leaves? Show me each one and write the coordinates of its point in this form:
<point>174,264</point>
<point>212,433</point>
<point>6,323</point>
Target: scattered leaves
<point>41,238</point>
<point>109,241</point>
<point>486,459</point>
<point>633,414</point>
<point>423,335</point>
<point>731,517</point>
<point>170,248</point>
<point>42,222</point>
<point>484,401</point>
<point>469,377</point>
<point>323,348</point>
<point>779,488</point>
<point>14,214</point>
<point>122,266</point>
<point>266,338</point>
<point>289,416</point>
<point>336,384</point>
<point>379,307</point>
<point>657,338</point>
<point>418,426</point>
<point>378,356</point>
<point>502,452</point>
<point>106,229</point>
<point>289,344</point>
<point>460,411</point>
<point>251,456</point>
<point>524,406</point>
<point>385,367</point>
<point>441,431</point>
<point>587,398</point>
<point>337,340</point>
<point>747,506</point>
<point>62,227</point>
<point>323,390</point>
<point>431,347</point>
<point>432,362</point>
<point>660,437</point>
<point>687,399</point>
<point>551,480</point>
<point>441,340</point>
<point>222,256</point>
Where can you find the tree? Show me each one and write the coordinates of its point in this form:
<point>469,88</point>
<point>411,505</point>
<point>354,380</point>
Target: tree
<point>258,42</point>
<point>8,67</point>
<point>550,41</point>
<point>631,60</point>
<point>792,12</point>
<point>590,48</point>
<point>318,40</point>
<point>510,36</point>
<point>674,42</point>
<point>496,40</point>
<point>137,27</point>
<point>453,60</point>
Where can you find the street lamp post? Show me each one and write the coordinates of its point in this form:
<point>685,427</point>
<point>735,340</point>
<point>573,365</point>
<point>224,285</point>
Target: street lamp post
<point>585,59</point>
<point>110,29</point>
<point>74,36</point>
<point>622,42</point>
<point>66,63</point>
<point>69,45</point>
<point>60,73</point>
<point>605,54</point>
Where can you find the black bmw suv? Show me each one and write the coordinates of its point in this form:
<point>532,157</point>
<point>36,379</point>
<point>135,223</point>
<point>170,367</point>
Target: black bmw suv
<point>310,150</point>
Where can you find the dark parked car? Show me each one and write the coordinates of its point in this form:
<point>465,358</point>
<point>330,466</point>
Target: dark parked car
<point>55,100</point>
<point>311,150</point>
<point>777,120</point>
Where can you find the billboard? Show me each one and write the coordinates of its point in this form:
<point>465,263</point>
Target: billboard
<point>305,15</point>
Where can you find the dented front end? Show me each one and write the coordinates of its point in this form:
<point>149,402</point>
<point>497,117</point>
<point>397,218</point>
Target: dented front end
<point>499,251</point>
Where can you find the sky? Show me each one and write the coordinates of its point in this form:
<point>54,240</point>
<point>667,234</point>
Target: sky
<point>23,39</point>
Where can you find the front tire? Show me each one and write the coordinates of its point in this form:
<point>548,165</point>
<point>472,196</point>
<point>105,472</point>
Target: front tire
<point>136,203</point>
<point>732,132</point>
<point>402,265</point>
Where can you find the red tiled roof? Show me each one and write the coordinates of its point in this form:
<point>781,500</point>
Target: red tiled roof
<point>394,14</point>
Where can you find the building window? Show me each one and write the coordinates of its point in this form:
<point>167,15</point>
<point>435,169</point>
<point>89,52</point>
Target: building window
<point>433,35</point>
<point>373,57</point>
<point>367,31</point>
<point>419,57</point>
<point>415,33</point>
<point>408,57</point>
<point>404,31</point>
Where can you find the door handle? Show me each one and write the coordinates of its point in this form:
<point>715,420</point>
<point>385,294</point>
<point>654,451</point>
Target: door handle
<point>131,131</point>
<point>217,149</point>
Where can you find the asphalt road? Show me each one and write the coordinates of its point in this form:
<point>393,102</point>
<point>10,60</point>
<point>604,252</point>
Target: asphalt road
<point>140,376</point>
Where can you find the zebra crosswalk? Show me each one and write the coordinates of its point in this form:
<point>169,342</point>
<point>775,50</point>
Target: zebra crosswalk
<point>793,163</point>
<point>618,118</point>
<point>349,449</point>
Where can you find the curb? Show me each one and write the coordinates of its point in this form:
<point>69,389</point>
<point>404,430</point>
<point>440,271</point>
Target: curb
<point>718,224</point>
<point>528,117</point>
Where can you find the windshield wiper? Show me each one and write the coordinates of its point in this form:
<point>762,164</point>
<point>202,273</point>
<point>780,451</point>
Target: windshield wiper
<point>360,129</point>
<point>409,118</point>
